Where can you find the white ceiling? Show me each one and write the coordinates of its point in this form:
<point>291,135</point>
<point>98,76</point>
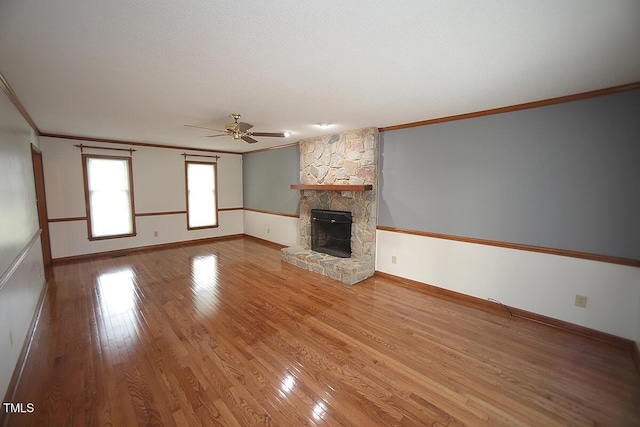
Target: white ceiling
<point>140,70</point>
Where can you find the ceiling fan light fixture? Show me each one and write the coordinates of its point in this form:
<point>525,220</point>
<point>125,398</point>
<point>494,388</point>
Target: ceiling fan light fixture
<point>287,134</point>
<point>240,130</point>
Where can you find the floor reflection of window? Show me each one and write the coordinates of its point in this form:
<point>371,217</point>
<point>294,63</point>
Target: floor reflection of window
<point>118,316</point>
<point>319,410</point>
<point>287,385</point>
<point>204,282</point>
<point>117,293</point>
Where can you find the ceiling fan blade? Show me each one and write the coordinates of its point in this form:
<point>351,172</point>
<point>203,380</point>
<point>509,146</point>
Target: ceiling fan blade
<point>249,139</point>
<point>213,136</point>
<point>269,134</point>
<point>200,127</point>
<point>243,127</point>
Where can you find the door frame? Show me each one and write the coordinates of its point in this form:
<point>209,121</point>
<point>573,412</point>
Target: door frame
<point>41,202</point>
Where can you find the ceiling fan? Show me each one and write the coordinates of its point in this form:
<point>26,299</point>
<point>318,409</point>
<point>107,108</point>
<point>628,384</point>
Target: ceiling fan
<point>240,131</point>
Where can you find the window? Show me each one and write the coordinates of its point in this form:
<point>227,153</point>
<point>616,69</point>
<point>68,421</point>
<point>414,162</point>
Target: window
<point>202,195</point>
<point>108,193</point>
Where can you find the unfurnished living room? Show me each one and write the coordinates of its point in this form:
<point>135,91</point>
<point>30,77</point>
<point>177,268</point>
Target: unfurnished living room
<point>354,213</point>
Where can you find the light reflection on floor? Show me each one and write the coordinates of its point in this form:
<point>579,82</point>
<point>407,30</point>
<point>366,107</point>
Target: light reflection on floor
<point>204,283</point>
<point>116,289</point>
<point>287,385</point>
<point>119,321</point>
<point>319,410</point>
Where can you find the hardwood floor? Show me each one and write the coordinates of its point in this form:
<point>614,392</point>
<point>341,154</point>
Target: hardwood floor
<point>226,334</point>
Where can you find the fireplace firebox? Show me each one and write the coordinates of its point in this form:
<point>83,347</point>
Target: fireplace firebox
<point>331,232</point>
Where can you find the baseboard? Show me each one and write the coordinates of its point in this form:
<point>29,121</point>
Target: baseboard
<point>24,354</point>
<point>452,296</point>
<point>498,308</point>
<point>594,334</point>
<point>128,251</point>
<point>265,242</point>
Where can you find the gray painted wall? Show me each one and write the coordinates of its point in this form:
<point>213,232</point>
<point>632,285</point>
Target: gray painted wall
<point>267,176</point>
<point>565,176</point>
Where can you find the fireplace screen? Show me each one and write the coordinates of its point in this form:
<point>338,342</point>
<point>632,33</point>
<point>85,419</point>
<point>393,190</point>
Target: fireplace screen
<point>331,232</point>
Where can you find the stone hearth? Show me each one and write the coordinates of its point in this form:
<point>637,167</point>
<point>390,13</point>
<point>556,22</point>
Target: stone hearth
<point>347,270</point>
<point>349,158</point>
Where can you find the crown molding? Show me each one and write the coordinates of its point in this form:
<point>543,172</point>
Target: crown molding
<point>6,88</point>
<point>518,107</point>
<point>135,143</point>
<point>277,147</point>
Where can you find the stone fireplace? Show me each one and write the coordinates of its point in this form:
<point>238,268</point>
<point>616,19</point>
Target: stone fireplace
<point>348,159</point>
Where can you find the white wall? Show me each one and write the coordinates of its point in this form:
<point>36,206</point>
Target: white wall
<point>159,186</point>
<point>540,283</point>
<point>22,278</point>
<point>280,229</point>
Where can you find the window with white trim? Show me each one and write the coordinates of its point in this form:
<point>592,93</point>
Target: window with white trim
<point>202,195</point>
<point>108,187</point>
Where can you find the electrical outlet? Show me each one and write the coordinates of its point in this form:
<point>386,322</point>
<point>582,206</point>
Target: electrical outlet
<point>155,234</point>
<point>581,301</point>
<point>394,260</point>
<point>268,231</point>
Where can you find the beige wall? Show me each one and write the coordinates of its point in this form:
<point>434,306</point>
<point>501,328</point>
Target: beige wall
<point>159,186</point>
<point>21,267</point>
<point>280,229</point>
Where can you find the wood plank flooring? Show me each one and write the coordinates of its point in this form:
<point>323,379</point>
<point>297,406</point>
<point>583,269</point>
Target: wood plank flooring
<point>226,334</point>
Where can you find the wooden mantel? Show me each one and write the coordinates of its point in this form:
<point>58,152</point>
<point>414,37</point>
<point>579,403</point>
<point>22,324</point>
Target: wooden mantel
<point>364,187</point>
